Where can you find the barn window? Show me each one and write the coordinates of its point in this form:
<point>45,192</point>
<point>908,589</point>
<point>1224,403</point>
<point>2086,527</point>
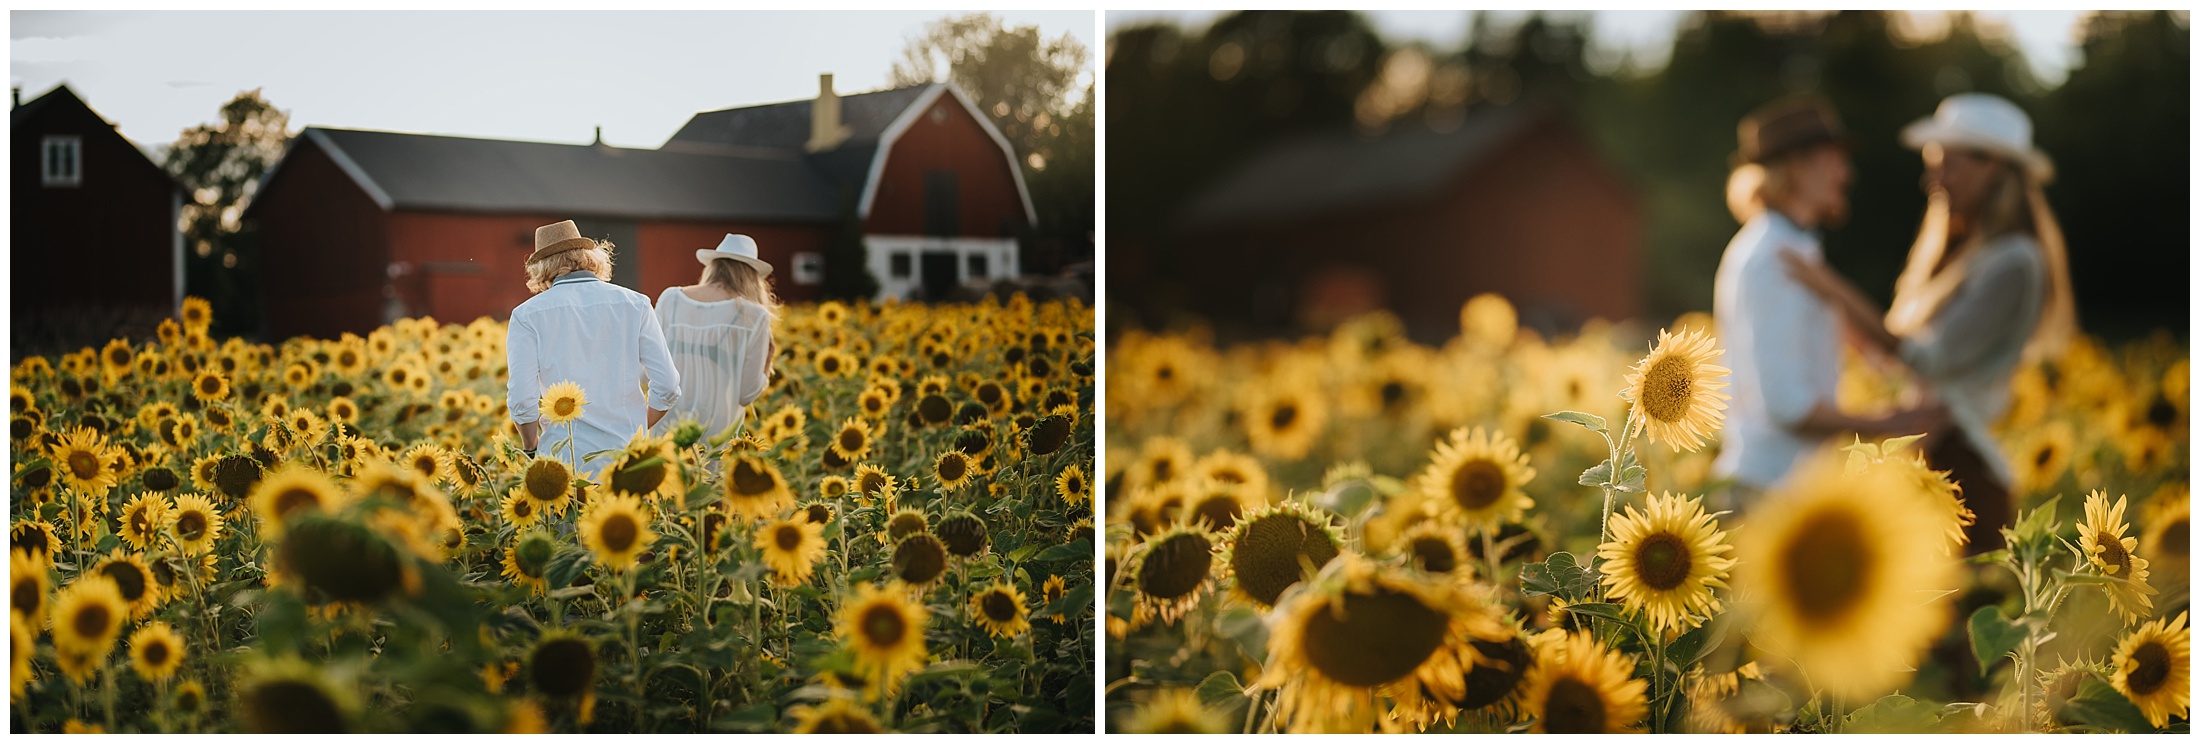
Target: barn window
<point>898,265</point>
<point>942,203</point>
<point>809,268</point>
<point>62,160</point>
<point>978,267</point>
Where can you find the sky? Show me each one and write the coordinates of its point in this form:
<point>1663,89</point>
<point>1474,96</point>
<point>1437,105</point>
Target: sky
<point>2047,37</point>
<point>541,76</point>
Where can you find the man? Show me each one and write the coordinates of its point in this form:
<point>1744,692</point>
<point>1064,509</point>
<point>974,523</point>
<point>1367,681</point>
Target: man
<point>581,328</point>
<point>1790,178</point>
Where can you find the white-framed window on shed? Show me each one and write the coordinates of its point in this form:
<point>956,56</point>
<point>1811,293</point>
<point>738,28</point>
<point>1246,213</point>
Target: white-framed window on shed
<point>809,267</point>
<point>61,160</point>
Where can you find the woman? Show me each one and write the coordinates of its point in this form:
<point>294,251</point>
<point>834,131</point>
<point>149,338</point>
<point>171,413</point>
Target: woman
<point>720,333</point>
<point>1987,288</point>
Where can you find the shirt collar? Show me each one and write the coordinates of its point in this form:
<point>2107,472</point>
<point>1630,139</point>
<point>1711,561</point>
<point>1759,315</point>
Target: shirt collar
<point>575,277</point>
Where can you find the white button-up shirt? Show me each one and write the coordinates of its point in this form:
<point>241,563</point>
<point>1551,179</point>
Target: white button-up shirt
<point>1783,346</point>
<point>602,337</point>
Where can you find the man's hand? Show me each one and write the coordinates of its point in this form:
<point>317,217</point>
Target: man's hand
<point>654,415</point>
<point>530,434</point>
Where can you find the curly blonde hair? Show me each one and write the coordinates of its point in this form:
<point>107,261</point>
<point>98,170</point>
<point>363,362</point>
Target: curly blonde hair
<point>596,260</point>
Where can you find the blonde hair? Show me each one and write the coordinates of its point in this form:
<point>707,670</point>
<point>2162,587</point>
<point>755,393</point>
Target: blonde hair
<point>1752,186</point>
<point>595,260</point>
<point>741,280</point>
<point>2015,203</point>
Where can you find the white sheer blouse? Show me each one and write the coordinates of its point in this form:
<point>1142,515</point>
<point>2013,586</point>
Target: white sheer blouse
<point>721,349</point>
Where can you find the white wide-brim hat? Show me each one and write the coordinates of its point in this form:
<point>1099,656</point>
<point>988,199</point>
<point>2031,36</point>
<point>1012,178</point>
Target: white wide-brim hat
<point>737,247</point>
<point>1986,122</point>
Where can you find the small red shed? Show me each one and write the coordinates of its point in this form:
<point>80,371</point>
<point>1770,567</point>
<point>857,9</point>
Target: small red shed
<point>94,221</point>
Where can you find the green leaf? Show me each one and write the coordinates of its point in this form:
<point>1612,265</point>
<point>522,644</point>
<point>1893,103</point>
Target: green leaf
<point>1695,644</point>
<point>1220,689</point>
<point>2098,704</point>
<point>1893,714</point>
<point>565,566</point>
<point>2037,523</point>
<point>1588,421</point>
<point>1597,477</point>
<point>1079,548</point>
<point>1558,575</point>
<point>1898,444</point>
<point>1631,480</point>
<point>1993,636</point>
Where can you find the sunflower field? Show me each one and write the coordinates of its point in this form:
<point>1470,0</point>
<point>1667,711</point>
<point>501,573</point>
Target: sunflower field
<point>343,535</point>
<point>1506,533</point>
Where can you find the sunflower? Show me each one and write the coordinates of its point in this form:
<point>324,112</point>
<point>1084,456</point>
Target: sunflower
<point>836,716</point>
<point>902,524</point>
<point>963,533</point>
<point>1434,548</point>
<point>1476,477</point>
<point>1283,417</point>
<point>343,410</point>
<point>953,468</point>
<point>27,586</point>
<point>1171,572</point>
<point>1580,687</point>
<point>853,441</point>
<point>292,492</point>
<point>1663,563</point>
<point>1173,710</point>
<point>647,467</point>
<point>210,387</point>
<point>115,359</point>
<point>143,519</point>
<point>918,560</point>
<point>1072,485</point>
<point>562,403</point>
<point>1360,632</point>
<point>196,524</point>
<point>753,488</point>
<point>1215,504</point>
<point>792,548</point>
<point>886,633</point>
<point>2154,669</point>
<point>1674,391</point>
<point>155,652</point>
<point>1850,571</point>
<point>84,462</point>
<point>2167,544</point>
<point>37,538</point>
<point>134,579</point>
<point>2106,548</point>
<point>527,561</point>
<point>291,696</point>
<point>307,428</point>
<point>547,481</point>
<point>1052,592</point>
<point>343,561</point>
<point>430,462</point>
<point>519,508</point>
<point>616,529</point>
<point>874,402</point>
<point>2043,456</point>
<point>999,609</point>
<point>87,615</point>
<point>1276,547</point>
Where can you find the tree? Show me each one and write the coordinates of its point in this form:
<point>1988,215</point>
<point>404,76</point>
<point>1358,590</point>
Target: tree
<point>1023,82</point>
<point>220,165</point>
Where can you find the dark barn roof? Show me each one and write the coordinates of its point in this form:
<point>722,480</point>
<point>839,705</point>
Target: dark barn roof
<point>440,173</point>
<point>1341,172</point>
<point>785,127</point>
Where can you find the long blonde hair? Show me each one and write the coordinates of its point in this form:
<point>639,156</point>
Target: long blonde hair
<point>741,280</point>
<point>2016,204</point>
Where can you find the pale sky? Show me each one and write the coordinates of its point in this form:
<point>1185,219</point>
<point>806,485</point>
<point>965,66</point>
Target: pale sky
<point>2046,37</point>
<point>525,75</point>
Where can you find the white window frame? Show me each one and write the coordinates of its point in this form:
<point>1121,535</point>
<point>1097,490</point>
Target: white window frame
<point>50,172</point>
<point>809,267</point>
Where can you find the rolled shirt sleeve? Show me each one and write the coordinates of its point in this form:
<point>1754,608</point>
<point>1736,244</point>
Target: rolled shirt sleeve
<point>523,384</point>
<point>657,369</point>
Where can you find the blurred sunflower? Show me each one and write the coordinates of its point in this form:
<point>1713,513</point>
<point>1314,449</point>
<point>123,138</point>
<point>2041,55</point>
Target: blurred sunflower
<point>156,652</point>
<point>28,583</point>
<point>293,491</point>
<point>36,537</point>
<point>853,441</point>
<point>953,469</point>
<point>918,560</point>
<point>1846,568</point>
<point>999,609</point>
<point>143,519</point>
<point>196,524</point>
<point>1477,478</point>
<point>838,715</point>
<point>1051,592</point>
<point>1173,710</point>
<point>2102,539</point>
<point>1433,548</point>
<point>1170,573</point>
<point>210,387</point>
<point>2043,456</point>
<point>134,579</point>
<point>87,615</point>
<point>871,484</point>
<point>519,508</point>
<point>527,561</point>
<point>792,548</point>
<point>1663,563</point>
<point>2168,541</point>
<point>84,462</point>
<point>22,645</point>
<point>753,489</point>
<point>902,524</point>
<point>616,529</point>
<point>1674,392</point>
<point>1580,687</point>
<point>1283,416</point>
<point>964,534</point>
<point>2154,669</point>
<point>547,481</point>
<point>563,402</point>
<point>885,631</point>
<point>428,461</point>
<point>647,467</point>
<point>1276,547</point>
<point>291,696</point>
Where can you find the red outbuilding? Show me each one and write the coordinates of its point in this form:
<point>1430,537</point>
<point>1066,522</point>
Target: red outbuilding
<point>358,228</point>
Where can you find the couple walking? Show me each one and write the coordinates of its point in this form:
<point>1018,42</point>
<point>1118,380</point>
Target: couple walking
<point>1986,288</point>
<point>704,351</point>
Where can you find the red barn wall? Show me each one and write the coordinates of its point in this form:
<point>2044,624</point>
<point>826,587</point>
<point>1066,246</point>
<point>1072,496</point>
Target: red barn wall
<point>110,241</point>
<point>322,249</point>
<point>988,202</point>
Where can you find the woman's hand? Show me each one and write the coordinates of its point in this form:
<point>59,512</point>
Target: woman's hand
<point>1848,303</point>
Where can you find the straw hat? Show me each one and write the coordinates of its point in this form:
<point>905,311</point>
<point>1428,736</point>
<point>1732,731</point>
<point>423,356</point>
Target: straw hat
<point>551,240</point>
<point>737,247</point>
<point>1985,122</point>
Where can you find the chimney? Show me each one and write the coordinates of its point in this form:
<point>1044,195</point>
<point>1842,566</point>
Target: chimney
<point>599,135</point>
<point>826,131</point>
<point>18,97</point>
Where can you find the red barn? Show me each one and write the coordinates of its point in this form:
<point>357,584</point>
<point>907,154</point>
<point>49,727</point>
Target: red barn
<point>358,228</point>
<point>94,221</point>
<point>1515,200</point>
